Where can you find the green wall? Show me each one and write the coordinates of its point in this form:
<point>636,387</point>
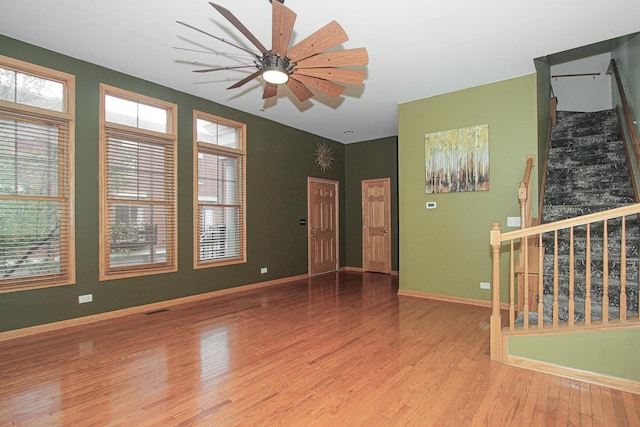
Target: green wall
<point>615,352</point>
<point>446,250</point>
<point>279,160</point>
<point>369,160</point>
<point>627,57</point>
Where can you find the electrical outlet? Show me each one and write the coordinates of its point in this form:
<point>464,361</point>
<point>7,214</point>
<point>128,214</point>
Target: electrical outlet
<point>85,298</point>
<point>513,221</point>
<point>485,285</point>
<point>263,270</point>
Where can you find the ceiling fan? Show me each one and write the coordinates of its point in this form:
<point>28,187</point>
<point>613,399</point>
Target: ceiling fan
<point>301,66</point>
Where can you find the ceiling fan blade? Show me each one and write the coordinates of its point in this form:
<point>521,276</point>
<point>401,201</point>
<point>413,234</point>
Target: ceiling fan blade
<point>325,86</point>
<point>218,38</point>
<point>338,58</point>
<point>328,36</point>
<point>281,27</point>
<point>246,80</point>
<point>208,70</point>
<point>270,90</point>
<point>342,75</point>
<point>244,30</point>
<point>299,90</point>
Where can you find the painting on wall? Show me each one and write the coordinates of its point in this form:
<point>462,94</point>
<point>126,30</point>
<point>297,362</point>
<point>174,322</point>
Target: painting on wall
<point>457,160</point>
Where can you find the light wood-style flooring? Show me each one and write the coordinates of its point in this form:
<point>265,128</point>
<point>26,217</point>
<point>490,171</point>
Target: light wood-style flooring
<point>340,349</point>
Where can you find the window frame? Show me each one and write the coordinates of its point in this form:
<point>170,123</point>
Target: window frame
<point>107,272</point>
<point>66,165</point>
<point>240,153</point>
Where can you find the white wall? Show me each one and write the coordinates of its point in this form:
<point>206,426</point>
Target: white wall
<point>584,93</point>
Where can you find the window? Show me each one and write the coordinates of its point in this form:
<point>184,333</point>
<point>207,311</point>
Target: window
<point>36,176</point>
<point>219,182</point>
<point>137,184</point>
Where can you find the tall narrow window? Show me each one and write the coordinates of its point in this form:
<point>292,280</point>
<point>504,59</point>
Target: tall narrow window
<point>219,182</point>
<point>36,176</point>
<point>137,184</point>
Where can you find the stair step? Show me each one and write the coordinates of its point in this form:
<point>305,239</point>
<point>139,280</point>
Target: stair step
<point>596,290</point>
<point>579,306</point>
<point>597,244</point>
<point>599,176</point>
<point>563,312</point>
<point>614,226</point>
<point>580,197</point>
<point>560,212</point>
<point>588,123</point>
<point>613,181</point>
<point>607,131</point>
<point>602,144</point>
<point>579,267</point>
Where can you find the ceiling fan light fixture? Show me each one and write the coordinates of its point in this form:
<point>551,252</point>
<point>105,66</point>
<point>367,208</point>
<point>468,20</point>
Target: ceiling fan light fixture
<point>275,69</point>
<point>275,75</point>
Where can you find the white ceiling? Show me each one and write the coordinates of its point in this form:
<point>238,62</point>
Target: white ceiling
<point>417,48</point>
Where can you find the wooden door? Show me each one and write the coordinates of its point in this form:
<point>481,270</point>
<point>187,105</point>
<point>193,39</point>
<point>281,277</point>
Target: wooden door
<point>323,225</point>
<point>376,225</point>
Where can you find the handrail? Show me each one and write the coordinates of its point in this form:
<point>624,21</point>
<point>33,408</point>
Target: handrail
<point>524,194</point>
<point>571,222</point>
<point>520,238</point>
<point>576,75</point>
<point>613,67</point>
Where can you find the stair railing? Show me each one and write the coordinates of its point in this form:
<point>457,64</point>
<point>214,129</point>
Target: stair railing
<point>524,194</point>
<point>561,230</point>
<point>629,122</point>
<point>526,221</point>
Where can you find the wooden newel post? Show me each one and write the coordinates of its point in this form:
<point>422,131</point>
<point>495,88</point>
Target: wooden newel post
<point>522,199</point>
<point>495,323</point>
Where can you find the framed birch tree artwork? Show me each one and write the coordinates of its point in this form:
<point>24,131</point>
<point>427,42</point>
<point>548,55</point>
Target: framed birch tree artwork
<point>457,160</point>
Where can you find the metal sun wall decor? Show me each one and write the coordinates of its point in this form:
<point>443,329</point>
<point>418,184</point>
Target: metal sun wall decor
<point>324,156</point>
<point>457,160</point>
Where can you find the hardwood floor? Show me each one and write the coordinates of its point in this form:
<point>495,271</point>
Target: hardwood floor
<point>340,349</point>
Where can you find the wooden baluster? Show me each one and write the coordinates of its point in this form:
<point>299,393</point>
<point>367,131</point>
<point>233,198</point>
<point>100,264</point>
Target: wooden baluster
<point>512,317</point>
<point>495,321</point>
<point>540,281</point>
<point>526,282</point>
<point>587,275</point>
<point>623,270</point>
<point>555,278</point>
<point>571,278</point>
<point>605,273</point>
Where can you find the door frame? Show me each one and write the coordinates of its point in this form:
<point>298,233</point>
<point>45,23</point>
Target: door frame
<point>336,185</point>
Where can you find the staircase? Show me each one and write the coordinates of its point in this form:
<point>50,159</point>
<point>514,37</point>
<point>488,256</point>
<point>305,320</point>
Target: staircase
<point>587,172</point>
<point>576,271</point>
